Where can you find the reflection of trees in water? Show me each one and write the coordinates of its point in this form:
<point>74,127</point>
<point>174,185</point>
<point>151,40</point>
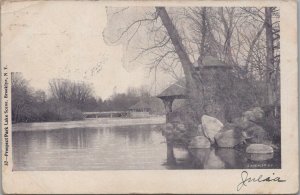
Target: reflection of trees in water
<point>61,138</point>
<point>221,158</point>
<point>84,137</point>
<point>68,138</point>
<point>136,134</point>
<point>104,136</point>
<point>21,146</point>
<point>123,144</point>
<point>200,157</point>
<point>210,158</point>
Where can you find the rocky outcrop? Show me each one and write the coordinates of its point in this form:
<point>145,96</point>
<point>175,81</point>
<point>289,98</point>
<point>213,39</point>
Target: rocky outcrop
<point>259,152</point>
<point>259,149</point>
<point>242,123</point>
<point>249,118</point>
<point>256,134</point>
<point>211,126</point>
<point>176,134</point>
<point>199,142</point>
<point>229,138</point>
<point>245,129</point>
<point>255,114</point>
<point>249,124</point>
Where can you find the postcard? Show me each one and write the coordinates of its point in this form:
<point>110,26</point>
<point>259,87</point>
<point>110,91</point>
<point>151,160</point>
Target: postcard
<point>178,97</point>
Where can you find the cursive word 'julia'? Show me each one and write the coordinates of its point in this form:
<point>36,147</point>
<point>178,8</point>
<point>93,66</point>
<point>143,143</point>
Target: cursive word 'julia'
<point>261,178</point>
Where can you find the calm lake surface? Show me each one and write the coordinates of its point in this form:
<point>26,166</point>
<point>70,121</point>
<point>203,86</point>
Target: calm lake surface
<point>132,147</point>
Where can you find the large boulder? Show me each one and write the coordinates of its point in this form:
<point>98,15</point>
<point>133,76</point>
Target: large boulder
<point>176,134</point>
<point>256,134</point>
<point>199,142</point>
<point>242,123</point>
<point>259,152</point>
<point>211,126</point>
<point>229,138</point>
<point>258,113</point>
<point>255,114</point>
<point>259,149</point>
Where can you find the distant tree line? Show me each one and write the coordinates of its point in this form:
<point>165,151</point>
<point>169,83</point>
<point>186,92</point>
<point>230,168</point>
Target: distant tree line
<point>66,100</point>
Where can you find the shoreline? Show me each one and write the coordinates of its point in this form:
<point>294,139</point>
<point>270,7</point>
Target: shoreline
<point>88,123</point>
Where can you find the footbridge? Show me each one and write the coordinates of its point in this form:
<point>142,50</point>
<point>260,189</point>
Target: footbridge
<point>109,114</point>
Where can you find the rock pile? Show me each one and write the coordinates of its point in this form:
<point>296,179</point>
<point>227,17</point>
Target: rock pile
<point>245,129</point>
<point>199,142</point>
<point>176,133</point>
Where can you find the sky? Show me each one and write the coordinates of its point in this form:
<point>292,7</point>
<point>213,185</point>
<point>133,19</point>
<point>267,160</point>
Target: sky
<point>46,40</point>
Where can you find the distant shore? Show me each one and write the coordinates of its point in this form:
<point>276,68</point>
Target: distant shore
<point>87,123</point>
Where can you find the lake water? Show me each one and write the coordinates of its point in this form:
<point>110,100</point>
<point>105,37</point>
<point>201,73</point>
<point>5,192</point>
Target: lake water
<point>132,147</point>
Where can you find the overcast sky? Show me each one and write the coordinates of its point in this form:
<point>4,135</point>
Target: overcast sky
<point>46,40</point>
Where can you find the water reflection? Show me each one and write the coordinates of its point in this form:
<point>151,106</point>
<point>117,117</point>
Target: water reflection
<point>130,147</point>
<point>116,148</point>
<point>227,158</point>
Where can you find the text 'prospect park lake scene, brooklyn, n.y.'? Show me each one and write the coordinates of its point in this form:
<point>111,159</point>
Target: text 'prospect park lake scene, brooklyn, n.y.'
<point>144,88</point>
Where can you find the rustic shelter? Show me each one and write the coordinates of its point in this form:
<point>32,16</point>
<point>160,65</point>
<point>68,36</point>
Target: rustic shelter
<point>141,106</point>
<point>140,109</point>
<point>175,91</point>
<point>147,106</point>
<point>216,78</point>
<point>214,74</point>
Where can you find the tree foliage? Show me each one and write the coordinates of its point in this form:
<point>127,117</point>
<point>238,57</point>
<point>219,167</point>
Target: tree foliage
<point>66,100</point>
<point>174,39</point>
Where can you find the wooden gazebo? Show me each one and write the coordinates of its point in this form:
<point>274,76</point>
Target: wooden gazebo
<point>141,106</point>
<point>175,91</point>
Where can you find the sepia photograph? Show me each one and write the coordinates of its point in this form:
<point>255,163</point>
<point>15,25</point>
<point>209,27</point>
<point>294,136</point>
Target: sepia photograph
<point>115,87</point>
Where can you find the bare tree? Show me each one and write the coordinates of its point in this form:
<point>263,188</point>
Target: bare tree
<point>22,98</point>
<point>75,93</point>
<point>272,34</point>
<point>192,78</point>
<point>177,37</point>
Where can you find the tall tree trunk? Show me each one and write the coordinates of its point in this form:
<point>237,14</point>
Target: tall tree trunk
<point>252,45</point>
<point>203,33</point>
<point>195,96</point>
<point>228,28</point>
<point>270,56</point>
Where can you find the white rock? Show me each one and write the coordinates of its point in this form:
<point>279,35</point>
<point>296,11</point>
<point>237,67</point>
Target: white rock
<point>211,126</point>
<point>258,113</point>
<point>199,142</point>
<point>259,149</point>
<point>255,114</point>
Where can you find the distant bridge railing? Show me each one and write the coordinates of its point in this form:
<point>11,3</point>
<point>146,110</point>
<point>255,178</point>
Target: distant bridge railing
<point>109,114</point>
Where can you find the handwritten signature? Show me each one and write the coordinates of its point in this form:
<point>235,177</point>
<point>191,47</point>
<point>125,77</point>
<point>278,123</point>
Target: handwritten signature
<point>246,179</point>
